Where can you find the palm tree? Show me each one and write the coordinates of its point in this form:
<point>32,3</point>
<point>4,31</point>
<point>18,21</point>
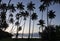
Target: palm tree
<point>33,17</point>
<point>11,22</point>
<point>17,24</point>
<point>42,8</point>
<point>41,22</point>
<point>20,6</point>
<point>3,23</point>
<point>30,7</point>
<point>25,15</point>
<point>47,3</point>
<point>51,15</point>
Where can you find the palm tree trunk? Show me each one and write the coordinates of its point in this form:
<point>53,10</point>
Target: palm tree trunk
<point>42,19</point>
<point>17,33</point>
<point>50,21</point>
<point>32,29</point>
<point>23,28</point>
<point>42,15</point>
<point>47,15</point>
<point>29,25</point>
<point>39,31</point>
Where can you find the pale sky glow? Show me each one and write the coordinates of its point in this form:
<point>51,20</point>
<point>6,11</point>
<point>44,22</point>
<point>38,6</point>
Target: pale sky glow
<point>55,21</point>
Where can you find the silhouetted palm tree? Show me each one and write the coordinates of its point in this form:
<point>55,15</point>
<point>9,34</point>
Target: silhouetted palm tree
<point>42,8</point>
<point>3,7</point>
<point>17,24</point>
<point>11,21</point>
<point>51,15</point>
<point>25,15</point>
<point>3,23</point>
<point>30,7</point>
<point>20,6</point>
<point>33,17</point>
<point>41,22</point>
<point>46,3</point>
<point>11,7</point>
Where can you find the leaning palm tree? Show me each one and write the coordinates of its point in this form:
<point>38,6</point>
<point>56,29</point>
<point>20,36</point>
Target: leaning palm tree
<point>33,17</point>
<point>30,7</point>
<point>25,15</point>
<point>51,15</point>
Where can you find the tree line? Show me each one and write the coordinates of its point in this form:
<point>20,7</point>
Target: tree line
<point>25,14</point>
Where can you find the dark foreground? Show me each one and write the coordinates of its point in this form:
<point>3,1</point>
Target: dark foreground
<point>20,39</point>
<point>35,39</point>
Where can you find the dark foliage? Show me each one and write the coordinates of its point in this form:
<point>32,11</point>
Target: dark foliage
<point>5,34</point>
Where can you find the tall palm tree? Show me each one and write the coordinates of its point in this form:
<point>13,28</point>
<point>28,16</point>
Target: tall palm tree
<point>18,15</point>
<point>30,7</point>
<point>25,15</point>
<point>51,15</point>
<point>33,17</point>
<point>20,6</point>
<point>47,4</point>
<point>42,8</point>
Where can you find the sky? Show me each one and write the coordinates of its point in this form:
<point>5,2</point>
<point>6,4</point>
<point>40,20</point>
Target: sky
<point>37,3</point>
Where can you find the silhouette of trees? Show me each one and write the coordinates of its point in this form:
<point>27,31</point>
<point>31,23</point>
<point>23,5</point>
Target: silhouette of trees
<point>51,15</point>
<point>47,33</point>
<point>33,17</point>
<point>47,3</point>
<point>25,15</point>
<point>3,22</point>
<point>42,8</point>
<point>30,7</point>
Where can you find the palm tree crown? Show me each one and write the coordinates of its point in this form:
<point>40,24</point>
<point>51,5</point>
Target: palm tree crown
<point>30,6</point>
<point>41,22</point>
<point>20,6</point>
<point>51,14</point>
<point>42,8</point>
<point>34,16</point>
